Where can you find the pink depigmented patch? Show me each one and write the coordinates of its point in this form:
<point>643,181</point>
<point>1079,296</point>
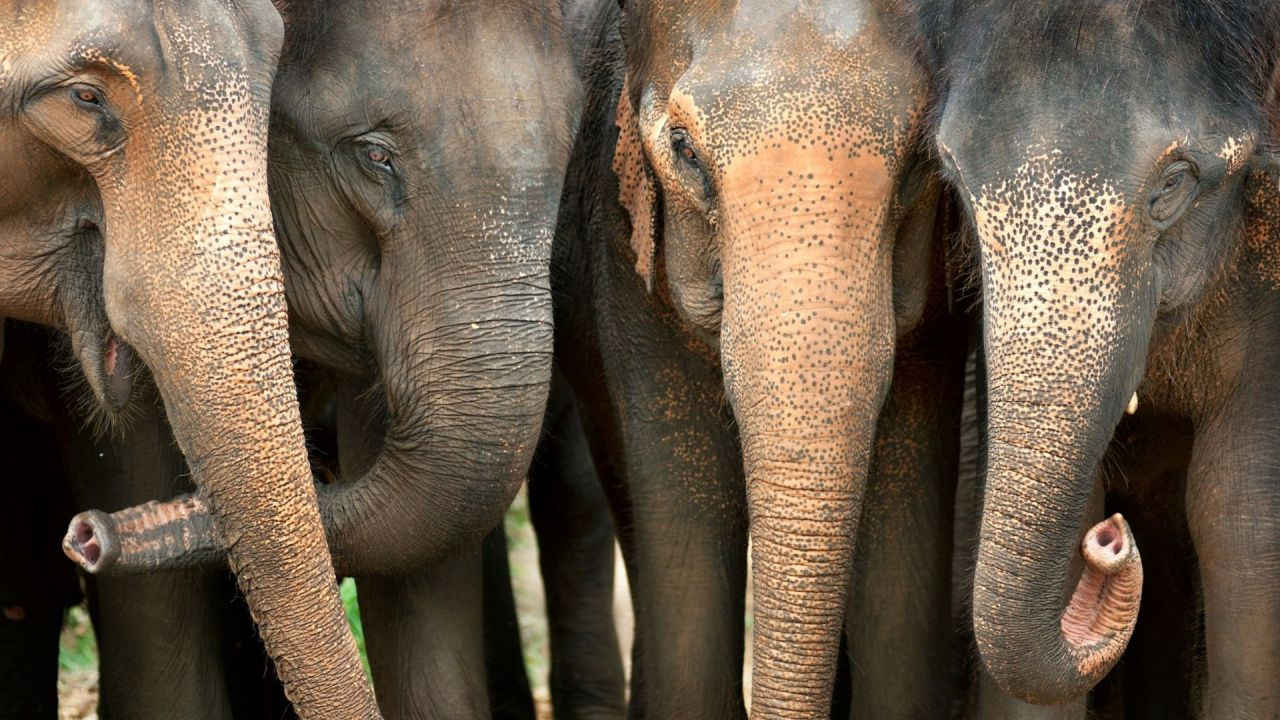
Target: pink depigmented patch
<point>1102,612</point>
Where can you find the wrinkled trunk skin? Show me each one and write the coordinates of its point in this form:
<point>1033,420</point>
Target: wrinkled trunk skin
<point>464,345</point>
<point>1064,357</point>
<point>807,345</point>
<point>200,296</point>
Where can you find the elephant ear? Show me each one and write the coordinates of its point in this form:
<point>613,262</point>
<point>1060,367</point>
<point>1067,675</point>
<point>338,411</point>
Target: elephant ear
<point>1262,215</point>
<point>636,190</point>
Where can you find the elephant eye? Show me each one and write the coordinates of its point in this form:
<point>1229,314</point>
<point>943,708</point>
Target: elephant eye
<point>1174,192</point>
<point>87,96</point>
<point>683,147</point>
<point>378,156</point>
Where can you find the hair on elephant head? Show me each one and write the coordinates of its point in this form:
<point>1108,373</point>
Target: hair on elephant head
<point>1102,148</point>
<point>139,213</point>
<point>769,159</point>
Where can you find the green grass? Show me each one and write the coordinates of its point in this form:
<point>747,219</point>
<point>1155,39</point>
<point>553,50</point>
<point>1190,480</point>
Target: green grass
<point>348,589</point>
<point>77,648</point>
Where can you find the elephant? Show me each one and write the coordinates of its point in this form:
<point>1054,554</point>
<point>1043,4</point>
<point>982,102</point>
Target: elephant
<point>134,215</point>
<point>415,217</point>
<point>752,305</point>
<point>1122,201</point>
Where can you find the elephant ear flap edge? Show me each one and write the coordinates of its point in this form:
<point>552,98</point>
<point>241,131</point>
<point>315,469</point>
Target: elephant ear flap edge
<point>636,190</point>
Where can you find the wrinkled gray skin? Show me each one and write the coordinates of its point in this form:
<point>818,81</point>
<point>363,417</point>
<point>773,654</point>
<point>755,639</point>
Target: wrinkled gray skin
<point>420,268</point>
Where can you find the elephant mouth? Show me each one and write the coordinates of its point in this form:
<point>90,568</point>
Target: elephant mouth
<point>118,365</point>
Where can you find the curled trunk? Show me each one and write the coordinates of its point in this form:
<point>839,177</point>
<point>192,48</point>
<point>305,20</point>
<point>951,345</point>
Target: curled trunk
<point>1052,411</point>
<point>1034,647</point>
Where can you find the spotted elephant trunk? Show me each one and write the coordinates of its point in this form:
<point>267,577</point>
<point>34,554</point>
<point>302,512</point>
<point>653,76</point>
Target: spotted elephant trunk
<point>1068,316</point>
<point>202,302</point>
<point>807,344</point>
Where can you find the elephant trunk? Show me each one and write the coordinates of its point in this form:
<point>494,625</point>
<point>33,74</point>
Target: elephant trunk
<point>1035,502</point>
<point>1064,356</point>
<point>464,354</point>
<point>227,382</point>
<point>465,371</point>
<point>807,345</point>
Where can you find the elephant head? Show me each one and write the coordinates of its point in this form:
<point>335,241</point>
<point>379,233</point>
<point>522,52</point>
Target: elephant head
<point>139,209</point>
<point>767,160</point>
<point>1101,148</point>
<point>416,176</point>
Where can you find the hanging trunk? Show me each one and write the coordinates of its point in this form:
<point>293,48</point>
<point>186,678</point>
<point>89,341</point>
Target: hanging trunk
<point>1064,357</point>
<point>807,345</point>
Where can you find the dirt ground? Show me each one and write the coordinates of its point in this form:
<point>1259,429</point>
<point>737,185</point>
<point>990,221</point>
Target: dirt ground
<point>78,679</point>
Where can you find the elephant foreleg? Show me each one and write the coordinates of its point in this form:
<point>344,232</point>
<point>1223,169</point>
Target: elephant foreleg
<point>424,634</point>
<point>667,457</point>
<point>509,694</point>
<point>576,555</point>
<point>1233,502</point>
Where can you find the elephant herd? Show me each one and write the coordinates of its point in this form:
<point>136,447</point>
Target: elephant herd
<point>950,307</point>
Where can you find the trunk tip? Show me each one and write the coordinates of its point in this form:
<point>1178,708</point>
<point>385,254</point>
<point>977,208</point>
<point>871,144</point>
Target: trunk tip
<point>1109,546</point>
<point>90,541</point>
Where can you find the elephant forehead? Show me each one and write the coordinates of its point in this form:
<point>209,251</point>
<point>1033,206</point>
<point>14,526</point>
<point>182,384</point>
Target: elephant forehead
<point>846,98</point>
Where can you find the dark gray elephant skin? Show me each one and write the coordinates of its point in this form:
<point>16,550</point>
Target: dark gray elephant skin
<point>171,644</point>
<point>415,217</point>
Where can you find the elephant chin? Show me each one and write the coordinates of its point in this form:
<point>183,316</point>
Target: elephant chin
<point>109,365</point>
<point>1103,610</point>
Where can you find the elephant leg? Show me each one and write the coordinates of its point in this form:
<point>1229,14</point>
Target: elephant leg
<point>1233,504</point>
<point>509,695</point>
<point>1165,642</point>
<point>424,634</point>
<point>901,591</point>
<point>576,553</point>
<point>667,458</point>
<point>424,631</point>
<point>159,650</point>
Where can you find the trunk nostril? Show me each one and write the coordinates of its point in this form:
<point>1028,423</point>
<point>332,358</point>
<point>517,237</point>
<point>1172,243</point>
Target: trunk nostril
<point>92,552</point>
<point>84,532</point>
<point>1106,537</point>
